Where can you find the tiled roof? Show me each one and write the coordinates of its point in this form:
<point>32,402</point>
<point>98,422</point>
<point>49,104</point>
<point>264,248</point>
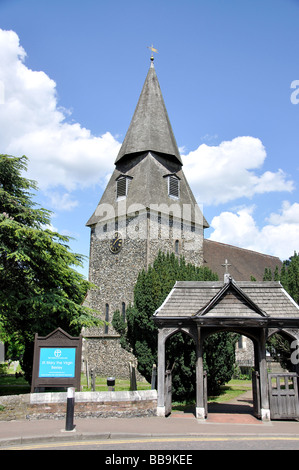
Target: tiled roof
<point>244,263</point>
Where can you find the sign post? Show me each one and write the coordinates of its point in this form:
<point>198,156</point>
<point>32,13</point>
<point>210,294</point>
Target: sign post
<point>57,361</point>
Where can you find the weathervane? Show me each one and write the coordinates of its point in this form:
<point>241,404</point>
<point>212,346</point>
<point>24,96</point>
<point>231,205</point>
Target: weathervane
<point>151,48</point>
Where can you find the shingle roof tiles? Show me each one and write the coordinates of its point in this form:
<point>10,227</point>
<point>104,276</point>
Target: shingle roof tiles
<point>189,298</point>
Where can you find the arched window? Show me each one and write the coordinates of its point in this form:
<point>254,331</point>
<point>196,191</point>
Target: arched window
<point>123,311</point>
<point>106,319</point>
<point>176,247</point>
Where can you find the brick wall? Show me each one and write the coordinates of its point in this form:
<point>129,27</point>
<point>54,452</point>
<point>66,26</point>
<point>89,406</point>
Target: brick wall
<point>87,405</point>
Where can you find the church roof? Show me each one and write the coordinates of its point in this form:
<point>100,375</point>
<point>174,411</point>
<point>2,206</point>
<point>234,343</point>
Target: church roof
<point>150,128</point>
<point>243,263</point>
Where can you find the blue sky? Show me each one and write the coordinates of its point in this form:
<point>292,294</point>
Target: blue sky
<point>70,76</point>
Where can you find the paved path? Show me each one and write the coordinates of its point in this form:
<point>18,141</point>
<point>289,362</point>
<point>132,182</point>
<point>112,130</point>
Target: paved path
<point>239,410</point>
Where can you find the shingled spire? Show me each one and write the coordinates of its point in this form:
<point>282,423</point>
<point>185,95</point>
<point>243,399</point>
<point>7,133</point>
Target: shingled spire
<point>148,169</point>
<point>150,128</point>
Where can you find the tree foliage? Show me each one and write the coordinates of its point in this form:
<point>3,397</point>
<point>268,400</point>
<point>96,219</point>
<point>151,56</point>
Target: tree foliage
<point>288,276</point>
<point>151,289</point>
<point>40,287</point>
<point>219,359</point>
<point>278,345</point>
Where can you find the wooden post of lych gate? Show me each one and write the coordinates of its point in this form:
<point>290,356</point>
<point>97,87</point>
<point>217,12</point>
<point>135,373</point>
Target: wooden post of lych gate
<point>161,374</point>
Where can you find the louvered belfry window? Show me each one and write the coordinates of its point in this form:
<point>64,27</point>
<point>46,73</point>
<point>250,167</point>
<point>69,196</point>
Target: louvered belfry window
<point>173,186</point>
<point>121,187</point>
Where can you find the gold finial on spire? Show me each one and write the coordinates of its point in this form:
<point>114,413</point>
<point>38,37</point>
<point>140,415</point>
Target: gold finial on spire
<point>153,50</point>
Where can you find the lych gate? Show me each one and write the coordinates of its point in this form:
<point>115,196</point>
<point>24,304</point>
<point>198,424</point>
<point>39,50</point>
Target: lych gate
<point>253,309</point>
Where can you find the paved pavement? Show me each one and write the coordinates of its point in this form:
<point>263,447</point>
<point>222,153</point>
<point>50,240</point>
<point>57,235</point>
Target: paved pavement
<point>234,418</point>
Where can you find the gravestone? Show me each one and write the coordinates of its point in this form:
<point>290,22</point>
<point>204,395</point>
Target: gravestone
<point>133,383</point>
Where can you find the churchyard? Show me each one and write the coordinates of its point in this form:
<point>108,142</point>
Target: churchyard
<point>12,382</point>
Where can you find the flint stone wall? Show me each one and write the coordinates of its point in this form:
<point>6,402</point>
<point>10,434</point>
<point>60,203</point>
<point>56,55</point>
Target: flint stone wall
<point>108,359</point>
<point>115,276</point>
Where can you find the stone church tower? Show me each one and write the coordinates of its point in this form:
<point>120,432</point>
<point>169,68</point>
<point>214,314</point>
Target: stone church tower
<point>147,206</point>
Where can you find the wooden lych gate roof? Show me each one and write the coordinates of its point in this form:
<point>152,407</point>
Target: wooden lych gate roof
<point>213,303</point>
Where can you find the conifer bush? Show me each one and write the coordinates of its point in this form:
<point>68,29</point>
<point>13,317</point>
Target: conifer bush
<point>151,289</point>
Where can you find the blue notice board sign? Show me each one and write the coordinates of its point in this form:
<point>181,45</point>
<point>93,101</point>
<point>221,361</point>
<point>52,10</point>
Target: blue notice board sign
<point>57,362</point>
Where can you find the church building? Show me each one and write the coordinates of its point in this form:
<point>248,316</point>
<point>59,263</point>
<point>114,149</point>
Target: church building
<point>147,206</point>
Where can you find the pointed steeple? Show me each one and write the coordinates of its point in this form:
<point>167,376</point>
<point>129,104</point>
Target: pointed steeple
<point>150,128</point>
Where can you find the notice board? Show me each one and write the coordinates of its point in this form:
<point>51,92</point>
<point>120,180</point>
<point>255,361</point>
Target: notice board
<point>56,361</point>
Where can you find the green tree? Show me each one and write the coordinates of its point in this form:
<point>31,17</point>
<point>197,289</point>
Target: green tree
<point>279,348</point>
<point>40,287</point>
<point>119,325</point>
<point>291,283</point>
<point>151,289</point>
<point>276,274</point>
<point>219,359</point>
<point>277,345</point>
<point>288,276</point>
<point>267,275</point>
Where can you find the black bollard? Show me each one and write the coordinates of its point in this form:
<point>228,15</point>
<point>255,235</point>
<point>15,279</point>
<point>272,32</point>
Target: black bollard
<point>111,384</point>
<point>70,406</point>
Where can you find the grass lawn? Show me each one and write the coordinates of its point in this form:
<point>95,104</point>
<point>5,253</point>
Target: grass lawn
<point>10,385</point>
<point>120,385</point>
<point>231,390</point>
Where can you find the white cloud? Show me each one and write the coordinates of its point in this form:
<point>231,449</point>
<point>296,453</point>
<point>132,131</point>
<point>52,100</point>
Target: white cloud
<point>289,214</point>
<point>50,227</point>
<point>219,174</point>
<point>65,156</point>
<point>32,123</point>
<point>235,228</point>
<point>61,201</point>
<point>279,237</point>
